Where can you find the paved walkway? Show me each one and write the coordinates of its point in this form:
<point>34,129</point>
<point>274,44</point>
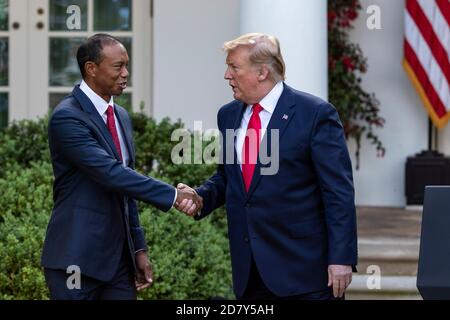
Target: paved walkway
<point>374,222</point>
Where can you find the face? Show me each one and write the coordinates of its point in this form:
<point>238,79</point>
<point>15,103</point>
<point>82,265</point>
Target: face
<point>243,77</point>
<point>109,77</point>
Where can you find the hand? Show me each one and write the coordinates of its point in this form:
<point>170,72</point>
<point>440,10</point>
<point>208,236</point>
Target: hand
<point>340,277</point>
<point>188,201</point>
<point>144,272</point>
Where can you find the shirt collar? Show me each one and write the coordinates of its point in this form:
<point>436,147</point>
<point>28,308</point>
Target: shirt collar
<point>269,102</point>
<point>99,103</point>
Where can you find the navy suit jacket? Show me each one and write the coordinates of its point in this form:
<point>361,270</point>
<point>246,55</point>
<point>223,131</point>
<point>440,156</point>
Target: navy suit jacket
<point>94,211</point>
<point>300,220</point>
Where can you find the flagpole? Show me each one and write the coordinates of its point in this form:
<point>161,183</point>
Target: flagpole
<point>430,135</point>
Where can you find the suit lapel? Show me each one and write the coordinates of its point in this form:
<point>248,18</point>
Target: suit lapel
<point>236,167</point>
<point>127,132</point>
<point>88,107</point>
<point>280,119</point>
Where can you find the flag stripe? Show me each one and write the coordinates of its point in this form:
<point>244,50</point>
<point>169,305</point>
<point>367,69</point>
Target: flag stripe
<point>424,81</point>
<point>439,122</point>
<point>444,6</point>
<point>427,54</point>
<point>428,34</point>
<point>438,22</point>
<point>427,61</point>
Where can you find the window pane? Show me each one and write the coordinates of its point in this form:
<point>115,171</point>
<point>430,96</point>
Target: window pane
<point>64,69</point>
<point>68,15</point>
<point>55,98</point>
<point>112,15</point>
<point>3,110</point>
<point>124,100</point>
<point>4,58</point>
<point>4,14</point>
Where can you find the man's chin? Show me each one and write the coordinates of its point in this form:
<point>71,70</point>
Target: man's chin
<point>117,93</point>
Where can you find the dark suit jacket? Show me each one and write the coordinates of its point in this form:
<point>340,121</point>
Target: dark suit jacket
<point>300,220</point>
<point>94,211</point>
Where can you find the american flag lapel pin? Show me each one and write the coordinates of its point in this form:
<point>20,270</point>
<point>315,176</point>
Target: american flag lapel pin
<point>285,117</point>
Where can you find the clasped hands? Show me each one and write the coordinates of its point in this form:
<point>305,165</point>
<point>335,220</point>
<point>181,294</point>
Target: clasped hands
<point>188,201</point>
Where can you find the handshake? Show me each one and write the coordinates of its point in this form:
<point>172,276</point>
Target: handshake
<point>188,201</point>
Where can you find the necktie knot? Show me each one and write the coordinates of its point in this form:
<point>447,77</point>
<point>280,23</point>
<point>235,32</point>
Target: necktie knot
<point>257,108</point>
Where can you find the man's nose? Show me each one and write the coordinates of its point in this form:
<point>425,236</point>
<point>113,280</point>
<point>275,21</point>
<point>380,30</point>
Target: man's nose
<point>227,75</point>
<point>124,73</point>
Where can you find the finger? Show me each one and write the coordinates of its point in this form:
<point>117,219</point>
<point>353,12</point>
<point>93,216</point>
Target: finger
<point>335,288</point>
<point>192,209</point>
<point>183,205</point>
<point>197,202</point>
<point>188,207</point>
<point>148,276</point>
<point>330,281</point>
<point>341,289</point>
<point>143,286</point>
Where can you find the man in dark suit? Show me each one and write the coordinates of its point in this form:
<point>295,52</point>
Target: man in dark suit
<point>94,228</point>
<point>292,232</point>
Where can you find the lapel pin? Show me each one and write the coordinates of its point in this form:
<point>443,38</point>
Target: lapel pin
<point>285,117</point>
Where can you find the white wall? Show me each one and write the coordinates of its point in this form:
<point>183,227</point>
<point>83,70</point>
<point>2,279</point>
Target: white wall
<point>188,83</point>
<point>380,181</point>
<point>188,61</point>
<point>291,21</point>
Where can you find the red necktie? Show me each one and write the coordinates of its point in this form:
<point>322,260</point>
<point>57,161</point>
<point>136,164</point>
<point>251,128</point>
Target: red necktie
<point>111,124</point>
<point>251,146</point>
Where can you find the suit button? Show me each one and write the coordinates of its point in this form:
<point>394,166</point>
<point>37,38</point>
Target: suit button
<point>246,239</point>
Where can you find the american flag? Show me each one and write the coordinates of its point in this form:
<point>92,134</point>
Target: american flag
<point>427,54</point>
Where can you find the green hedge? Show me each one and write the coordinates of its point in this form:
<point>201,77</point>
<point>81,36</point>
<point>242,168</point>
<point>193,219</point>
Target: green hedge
<point>190,259</point>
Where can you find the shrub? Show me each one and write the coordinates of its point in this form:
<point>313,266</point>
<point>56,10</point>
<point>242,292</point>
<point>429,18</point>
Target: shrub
<point>23,142</point>
<point>190,258</point>
<point>21,240</point>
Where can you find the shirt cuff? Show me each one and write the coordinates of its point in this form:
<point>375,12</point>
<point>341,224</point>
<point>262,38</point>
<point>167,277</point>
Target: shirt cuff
<point>175,199</point>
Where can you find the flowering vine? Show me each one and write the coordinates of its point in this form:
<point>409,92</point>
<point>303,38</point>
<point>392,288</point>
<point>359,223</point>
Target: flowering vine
<point>358,110</point>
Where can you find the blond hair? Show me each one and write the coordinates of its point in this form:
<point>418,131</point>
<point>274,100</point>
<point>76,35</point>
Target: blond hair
<point>264,49</point>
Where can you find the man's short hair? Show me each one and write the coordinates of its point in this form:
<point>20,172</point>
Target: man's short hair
<point>264,49</point>
<point>92,48</point>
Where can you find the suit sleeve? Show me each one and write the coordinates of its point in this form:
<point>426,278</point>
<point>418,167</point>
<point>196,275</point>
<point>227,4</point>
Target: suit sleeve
<point>81,148</point>
<point>333,167</point>
<point>136,231</point>
<point>213,190</point>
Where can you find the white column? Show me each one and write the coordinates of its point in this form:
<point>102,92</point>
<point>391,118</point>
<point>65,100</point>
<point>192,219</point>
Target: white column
<point>301,27</point>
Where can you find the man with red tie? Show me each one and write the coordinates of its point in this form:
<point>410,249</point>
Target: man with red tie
<point>94,232</point>
<point>292,233</point>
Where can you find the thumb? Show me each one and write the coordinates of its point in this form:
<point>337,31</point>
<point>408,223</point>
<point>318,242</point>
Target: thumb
<point>148,276</point>
<point>330,281</point>
<point>181,186</point>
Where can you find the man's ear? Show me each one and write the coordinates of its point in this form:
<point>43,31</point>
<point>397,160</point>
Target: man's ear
<point>263,73</point>
<point>90,68</point>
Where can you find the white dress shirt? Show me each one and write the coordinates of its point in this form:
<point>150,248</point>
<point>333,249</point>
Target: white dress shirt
<point>269,102</point>
<point>101,106</point>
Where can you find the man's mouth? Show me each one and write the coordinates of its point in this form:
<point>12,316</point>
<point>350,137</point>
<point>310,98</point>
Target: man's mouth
<point>123,85</point>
